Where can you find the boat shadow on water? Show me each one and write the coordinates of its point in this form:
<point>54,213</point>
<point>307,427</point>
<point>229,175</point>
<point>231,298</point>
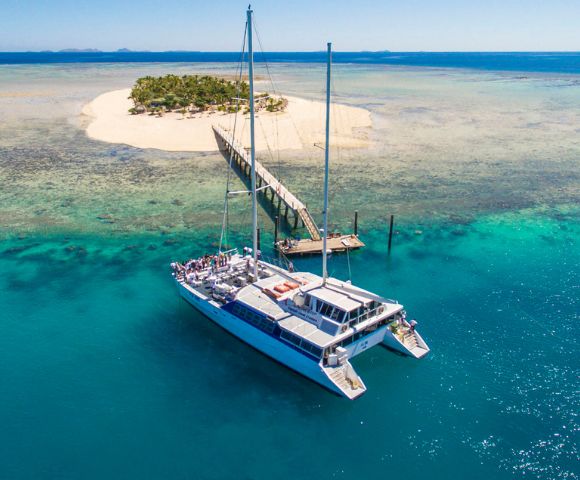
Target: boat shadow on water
<point>186,342</point>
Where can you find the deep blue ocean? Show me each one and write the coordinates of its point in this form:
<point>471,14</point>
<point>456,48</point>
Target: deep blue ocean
<point>556,62</point>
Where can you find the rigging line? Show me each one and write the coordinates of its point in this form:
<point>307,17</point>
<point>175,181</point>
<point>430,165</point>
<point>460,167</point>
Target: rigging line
<point>265,137</point>
<point>239,72</point>
<point>238,192</point>
<point>226,201</point>
<point>339,121</point>
<point>290,117</point>
<point>285,258</point>
<point>225,220</point>
<point>348,262</point>
<point>274,90</point>
<point>277,113</point>
<point>264,58</point>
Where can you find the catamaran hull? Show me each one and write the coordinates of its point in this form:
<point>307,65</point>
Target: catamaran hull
<point>390,341</point>
<point>262,342</point>
<point>368,341</point>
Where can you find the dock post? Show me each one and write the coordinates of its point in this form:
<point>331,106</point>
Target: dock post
<point>258,242</point>
<point>276,222</point>
<point>356,222</point>
<point>391,232</point>
<point>286,213</point>
<point>295,220</point>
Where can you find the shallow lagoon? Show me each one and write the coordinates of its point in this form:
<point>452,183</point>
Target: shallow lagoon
<point>105,372</point>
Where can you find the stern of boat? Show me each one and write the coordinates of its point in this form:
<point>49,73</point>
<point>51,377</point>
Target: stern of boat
<point>345,380</point>
<point>403,339</point>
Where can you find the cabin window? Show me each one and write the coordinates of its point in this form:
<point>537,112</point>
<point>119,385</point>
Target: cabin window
<point>353,313</point>
<point>267,326</point>
<point>335,314</point>
<point>301,344</point>
<point>293,339</point>
<point>326,310</point>
<point>254,318</point>
<point>307,301</point>
<point>314,350</point>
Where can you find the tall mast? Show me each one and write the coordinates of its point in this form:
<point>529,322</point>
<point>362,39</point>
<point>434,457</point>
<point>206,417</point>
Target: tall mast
<point>326,153</point>
<point>252,143</point>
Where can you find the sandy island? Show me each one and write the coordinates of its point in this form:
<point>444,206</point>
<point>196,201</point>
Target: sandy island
<point>302,124</point>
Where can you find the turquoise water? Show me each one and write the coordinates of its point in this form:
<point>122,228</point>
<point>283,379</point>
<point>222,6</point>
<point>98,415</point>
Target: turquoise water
<point>106,373</point>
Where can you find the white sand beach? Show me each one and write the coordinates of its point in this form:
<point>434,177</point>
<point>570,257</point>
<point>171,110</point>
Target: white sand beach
<point>301,125</point>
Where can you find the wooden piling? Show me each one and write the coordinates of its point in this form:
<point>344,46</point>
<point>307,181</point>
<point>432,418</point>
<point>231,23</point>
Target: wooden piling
<point>276,222</point>
<point>356,222</point>
<point>391,232</point>
<point>258,235</point>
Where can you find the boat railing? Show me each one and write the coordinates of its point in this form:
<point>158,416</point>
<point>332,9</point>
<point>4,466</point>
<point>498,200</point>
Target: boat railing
<point>375,312</point>
<point>278,262</point>
<point>231,251</point>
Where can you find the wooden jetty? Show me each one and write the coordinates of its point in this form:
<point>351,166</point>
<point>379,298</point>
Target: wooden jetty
<point>334,243</point>
<point>271,186</point>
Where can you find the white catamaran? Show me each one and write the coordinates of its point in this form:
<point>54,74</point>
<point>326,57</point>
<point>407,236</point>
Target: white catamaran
<point>311,324</point>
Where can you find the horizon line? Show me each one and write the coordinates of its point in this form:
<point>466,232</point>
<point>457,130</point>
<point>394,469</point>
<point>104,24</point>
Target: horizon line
<point>120,51</point>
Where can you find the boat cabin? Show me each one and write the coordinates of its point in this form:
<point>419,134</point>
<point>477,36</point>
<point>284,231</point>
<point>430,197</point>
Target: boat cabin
<point>314,318</point>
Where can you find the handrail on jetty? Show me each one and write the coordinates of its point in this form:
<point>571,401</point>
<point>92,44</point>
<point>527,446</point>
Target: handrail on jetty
<point>268,182</point>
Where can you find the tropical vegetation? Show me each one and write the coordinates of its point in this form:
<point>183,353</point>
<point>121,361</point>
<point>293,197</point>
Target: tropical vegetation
<point>195,93</point>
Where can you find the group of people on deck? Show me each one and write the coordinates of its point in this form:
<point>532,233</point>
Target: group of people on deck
<point>213,262</point>
<point>193,267</point>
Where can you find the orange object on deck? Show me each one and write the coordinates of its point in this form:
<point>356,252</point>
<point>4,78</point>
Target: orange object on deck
<point>271,293</point>
<point>282,288</point>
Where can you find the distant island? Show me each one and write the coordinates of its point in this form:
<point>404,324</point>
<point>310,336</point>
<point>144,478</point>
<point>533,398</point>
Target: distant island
<point>194,93</point>
<point>80,50</point>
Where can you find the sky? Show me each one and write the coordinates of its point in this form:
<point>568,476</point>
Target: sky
<point>292,25</point>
